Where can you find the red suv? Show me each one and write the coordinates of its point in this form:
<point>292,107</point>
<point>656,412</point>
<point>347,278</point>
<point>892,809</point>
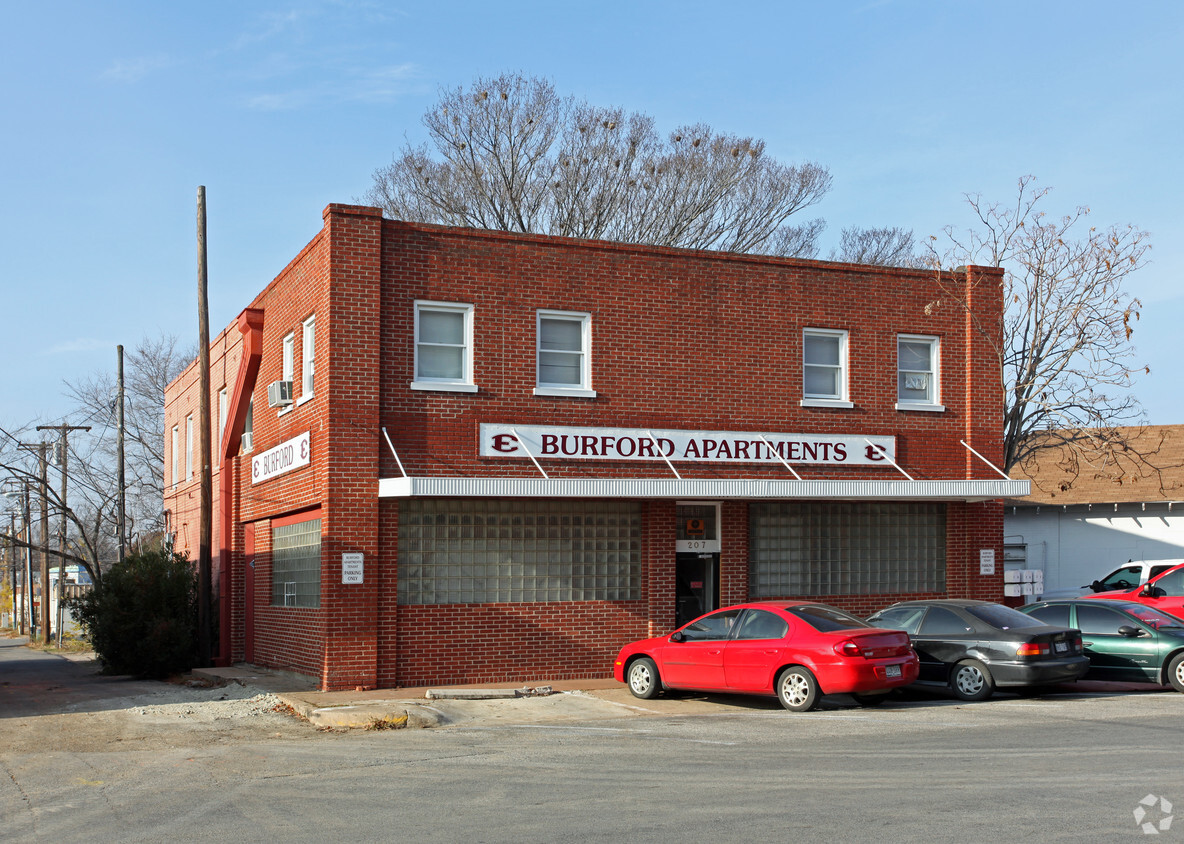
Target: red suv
<point>1164,592</point>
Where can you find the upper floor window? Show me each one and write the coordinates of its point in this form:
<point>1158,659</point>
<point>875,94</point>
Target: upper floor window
<point>176,450</point>
<point>308,367</point>
<point>223,407</point>
<point>189,446</point>
<point>824,368</point>
<point>443,347</point>
<point>917,381</point>
<point>563,354</point>
<point>287,367</point>
<point>248,439</point>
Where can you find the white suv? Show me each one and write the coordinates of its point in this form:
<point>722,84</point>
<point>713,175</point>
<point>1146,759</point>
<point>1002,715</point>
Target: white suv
<point>1131,575</point>
<point>1122,578</point>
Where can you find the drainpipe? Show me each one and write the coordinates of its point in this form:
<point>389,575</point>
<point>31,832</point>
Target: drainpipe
<point>250,325</point>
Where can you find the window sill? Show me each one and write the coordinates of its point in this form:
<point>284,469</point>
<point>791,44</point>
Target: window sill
<point>924,408</point>
<point>573,392</point>
<point>444,386</point>
<point>285,410</point>
<point>304,398</point>
<point>838,403</point>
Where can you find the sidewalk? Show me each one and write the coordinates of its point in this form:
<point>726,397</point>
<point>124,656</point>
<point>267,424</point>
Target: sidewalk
<point>423,706</point>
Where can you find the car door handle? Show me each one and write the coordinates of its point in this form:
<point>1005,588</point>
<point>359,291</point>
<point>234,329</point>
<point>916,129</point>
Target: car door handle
<point>1087,644</point>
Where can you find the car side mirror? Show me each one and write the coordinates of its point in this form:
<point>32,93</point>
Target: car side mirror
<point>1147,591</point>
<point>677,636</point>
<point>1096,586</point>
<point>1127,630</point>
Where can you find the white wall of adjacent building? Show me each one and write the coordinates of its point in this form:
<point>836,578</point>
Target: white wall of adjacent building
<point>1075,545</point>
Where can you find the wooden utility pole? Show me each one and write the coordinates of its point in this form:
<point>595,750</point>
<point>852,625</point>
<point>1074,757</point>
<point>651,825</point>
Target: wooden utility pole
<point>121,517</point>
<point>63,463</point>
<point>204,559</point>
<point>40,620</point>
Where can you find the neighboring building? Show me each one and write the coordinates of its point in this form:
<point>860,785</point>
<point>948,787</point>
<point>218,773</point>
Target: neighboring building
<point>1080,522</point>
<point>453,455</point>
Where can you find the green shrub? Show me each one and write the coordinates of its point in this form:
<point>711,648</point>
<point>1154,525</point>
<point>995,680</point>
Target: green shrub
<point>142,618</point>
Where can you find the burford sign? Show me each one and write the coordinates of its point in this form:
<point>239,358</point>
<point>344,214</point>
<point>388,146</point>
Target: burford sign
<point>563,443</point>
<point>285,457</point>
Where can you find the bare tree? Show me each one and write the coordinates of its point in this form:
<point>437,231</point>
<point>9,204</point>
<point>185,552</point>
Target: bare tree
<point>511,154</point>
<point>1066,352</point>
<point>84,537</point>
<point>90,512</point>
<point>886,247</point>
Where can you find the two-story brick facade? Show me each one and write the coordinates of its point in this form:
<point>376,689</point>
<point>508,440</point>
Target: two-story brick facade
<point>501,456</point>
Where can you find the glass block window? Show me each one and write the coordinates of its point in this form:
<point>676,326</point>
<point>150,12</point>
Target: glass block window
<point>813,548</point>
<point>460,551</point>
<point>296,564</point>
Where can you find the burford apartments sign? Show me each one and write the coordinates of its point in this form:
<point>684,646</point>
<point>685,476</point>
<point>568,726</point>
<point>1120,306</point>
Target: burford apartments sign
<point>285,457</point>
<point>566,443</point>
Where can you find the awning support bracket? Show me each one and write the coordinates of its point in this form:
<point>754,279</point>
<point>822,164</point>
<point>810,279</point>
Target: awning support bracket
<point>884,454</point>
<point>777,454</point>
<point>985,460</point>
<point>392,447</point>
<point>522,443</point>
<point>658,446</point>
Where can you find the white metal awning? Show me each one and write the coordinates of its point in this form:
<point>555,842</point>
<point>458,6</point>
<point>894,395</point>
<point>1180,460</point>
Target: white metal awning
<point>713,489</point>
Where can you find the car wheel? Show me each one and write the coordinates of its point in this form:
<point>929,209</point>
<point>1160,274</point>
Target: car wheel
<point>870,700</point>
<point>970,680</point>
<point>797,689</point>
<point>643,678</point>
<point>1176,672</point>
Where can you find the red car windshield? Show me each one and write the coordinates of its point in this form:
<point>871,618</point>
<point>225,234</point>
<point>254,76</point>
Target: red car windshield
<point>826,619</point>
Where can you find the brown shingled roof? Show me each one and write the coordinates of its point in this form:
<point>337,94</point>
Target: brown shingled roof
<point>1150,468</point>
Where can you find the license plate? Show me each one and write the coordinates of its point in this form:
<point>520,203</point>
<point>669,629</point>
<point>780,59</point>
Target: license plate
<point>892,670</point>
<point>1061,647</point>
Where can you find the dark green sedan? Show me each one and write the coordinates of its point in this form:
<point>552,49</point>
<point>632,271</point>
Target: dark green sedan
<point>1124,640</point>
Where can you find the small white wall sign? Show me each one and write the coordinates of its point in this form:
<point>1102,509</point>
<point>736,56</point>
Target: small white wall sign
<point>986,561</point>
<point>351,567</point>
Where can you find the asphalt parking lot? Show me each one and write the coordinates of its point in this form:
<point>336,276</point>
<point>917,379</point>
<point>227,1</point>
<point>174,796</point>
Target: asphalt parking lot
<point>90,757</point>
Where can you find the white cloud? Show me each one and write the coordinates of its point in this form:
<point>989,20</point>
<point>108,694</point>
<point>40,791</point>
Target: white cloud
<point>366,85</point>
<point>133,70</point>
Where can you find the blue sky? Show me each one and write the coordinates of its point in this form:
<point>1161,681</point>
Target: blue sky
<point>115,112</point>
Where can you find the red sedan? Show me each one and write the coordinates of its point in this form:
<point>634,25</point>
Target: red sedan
<point>794,650</point>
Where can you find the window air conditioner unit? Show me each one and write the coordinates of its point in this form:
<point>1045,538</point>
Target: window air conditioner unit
<point>279,393</point>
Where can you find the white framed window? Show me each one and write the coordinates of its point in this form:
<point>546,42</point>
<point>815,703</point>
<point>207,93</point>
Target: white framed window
<point>563,347</point>
<point>287,366</point>
<point>223,407</point>
<point>308,366</point>
<point>824,368</point>
<point>189,446</point>
<point>248,438</point>
<point>176,450</point>
<point>918,378</point>
<point>443,347</point>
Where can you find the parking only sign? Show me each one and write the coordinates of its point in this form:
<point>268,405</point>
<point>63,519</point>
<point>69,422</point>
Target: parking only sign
<point>351,567</point>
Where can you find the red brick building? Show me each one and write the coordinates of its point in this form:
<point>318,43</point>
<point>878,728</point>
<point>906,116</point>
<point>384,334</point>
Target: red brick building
<point>452,455</point>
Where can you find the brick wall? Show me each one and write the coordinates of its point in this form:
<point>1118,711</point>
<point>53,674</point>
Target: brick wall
<point>686,340</point>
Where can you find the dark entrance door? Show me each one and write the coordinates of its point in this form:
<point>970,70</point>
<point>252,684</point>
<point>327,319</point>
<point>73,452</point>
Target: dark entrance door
<point>696,585</point>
